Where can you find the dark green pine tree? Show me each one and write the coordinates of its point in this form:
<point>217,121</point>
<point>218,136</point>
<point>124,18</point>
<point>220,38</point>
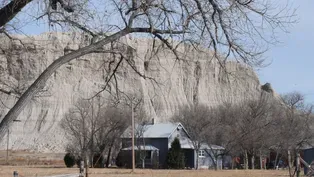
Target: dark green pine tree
<point>175,158</point>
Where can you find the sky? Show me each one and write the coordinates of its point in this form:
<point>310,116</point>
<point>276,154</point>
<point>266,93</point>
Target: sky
<point>292,62</point>
<point>291,65</point>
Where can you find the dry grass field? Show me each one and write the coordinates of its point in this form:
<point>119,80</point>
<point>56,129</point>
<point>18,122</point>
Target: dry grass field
<point>26,171</point>
<point>30,164</point>
<point>31,158</point>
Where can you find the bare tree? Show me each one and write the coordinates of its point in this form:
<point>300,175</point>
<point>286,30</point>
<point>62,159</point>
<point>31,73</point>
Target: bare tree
<point>115,121</point>
<point>231,27</point>
<point>294,125</point>
<point>78,123</point>
<point>199,121</point>
<point>93,128</point>
<point>247,127</point>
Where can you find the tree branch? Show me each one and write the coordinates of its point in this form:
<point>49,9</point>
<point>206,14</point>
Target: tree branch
<point>8,12</point>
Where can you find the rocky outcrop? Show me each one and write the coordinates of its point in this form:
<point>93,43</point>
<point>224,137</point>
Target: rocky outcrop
<point>169,83</point>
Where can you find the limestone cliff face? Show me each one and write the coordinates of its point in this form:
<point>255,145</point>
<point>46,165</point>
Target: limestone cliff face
<point>196,77</point>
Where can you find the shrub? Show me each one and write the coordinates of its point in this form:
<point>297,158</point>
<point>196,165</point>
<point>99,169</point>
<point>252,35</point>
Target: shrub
<point>124,159</point>
<point>175,157</point>
<point>98,161</point>
<point>69,160</point>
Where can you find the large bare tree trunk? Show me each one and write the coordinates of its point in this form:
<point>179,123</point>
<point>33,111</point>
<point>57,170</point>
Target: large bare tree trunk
<point>253,161</point>
<point>143,163</point>
<point>246,160</point>
<point>289,163</point>
<point>86,163</point>
<point>298,165</point>
<point>276,159</point>
<point>108,157</point>
<point>196,165</point>
<point>87,166</point>
<point>40,82</point>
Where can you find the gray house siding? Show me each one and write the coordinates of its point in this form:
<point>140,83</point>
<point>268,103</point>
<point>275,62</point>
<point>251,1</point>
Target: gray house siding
<point>162,145</point>
<point>205,162</point>
<point>189,155</point>
<point>208,161</point>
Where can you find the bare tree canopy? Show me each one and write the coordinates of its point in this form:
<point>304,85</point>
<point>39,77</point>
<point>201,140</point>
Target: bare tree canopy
<point>236,29</point>
<point>201,123</point>
<point>94,127</point>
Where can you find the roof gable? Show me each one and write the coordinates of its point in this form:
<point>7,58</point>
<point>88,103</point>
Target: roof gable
<point>157,130</point>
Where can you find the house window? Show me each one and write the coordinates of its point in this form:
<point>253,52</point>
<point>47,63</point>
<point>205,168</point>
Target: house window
<point>201,153</point>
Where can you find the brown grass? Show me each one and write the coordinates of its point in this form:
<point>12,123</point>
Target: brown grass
<point>22,158</point>
<point>7,171</point>
<point>30,164</point>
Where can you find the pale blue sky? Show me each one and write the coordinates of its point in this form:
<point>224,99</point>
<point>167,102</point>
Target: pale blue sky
<point>292,62</point>
<point>292,66</point>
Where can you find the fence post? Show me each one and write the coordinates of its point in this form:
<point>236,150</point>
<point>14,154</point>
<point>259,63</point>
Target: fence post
<point>82,168</point>
<point>15,174</point>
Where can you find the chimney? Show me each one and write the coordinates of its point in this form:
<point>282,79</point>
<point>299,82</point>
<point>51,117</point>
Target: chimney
<point>153,121</point>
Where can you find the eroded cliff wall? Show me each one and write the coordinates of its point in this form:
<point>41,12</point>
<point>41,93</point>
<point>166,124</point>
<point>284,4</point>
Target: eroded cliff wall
<point>196,77</point>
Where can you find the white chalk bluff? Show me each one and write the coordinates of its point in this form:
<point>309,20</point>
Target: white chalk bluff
<point>196,78</point>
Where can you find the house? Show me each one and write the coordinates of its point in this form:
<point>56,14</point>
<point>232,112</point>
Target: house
<point>154,141</point>
<point>307,154</point>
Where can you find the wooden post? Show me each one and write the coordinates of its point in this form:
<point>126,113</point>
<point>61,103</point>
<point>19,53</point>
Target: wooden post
<point>7,158</point>
<point>82,168</point>
<point>298,166</point>
<point>217,165</point>
<point>86,164</point>
<point>133,151</point>
<point>260,159</point>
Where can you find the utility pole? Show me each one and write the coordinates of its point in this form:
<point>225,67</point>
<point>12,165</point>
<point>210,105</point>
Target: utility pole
<point>7,158</point>
<point>133,152</point>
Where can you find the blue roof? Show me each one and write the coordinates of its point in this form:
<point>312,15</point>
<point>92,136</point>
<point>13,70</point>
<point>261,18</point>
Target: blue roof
<point>157,130</point>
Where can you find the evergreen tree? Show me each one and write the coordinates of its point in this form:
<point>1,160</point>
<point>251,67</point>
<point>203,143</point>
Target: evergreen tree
<point>175,158</point>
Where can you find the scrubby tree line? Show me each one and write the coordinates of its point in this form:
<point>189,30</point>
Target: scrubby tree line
<point>252,127</point>
<point>249,129</point>
<point>94,126</point>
